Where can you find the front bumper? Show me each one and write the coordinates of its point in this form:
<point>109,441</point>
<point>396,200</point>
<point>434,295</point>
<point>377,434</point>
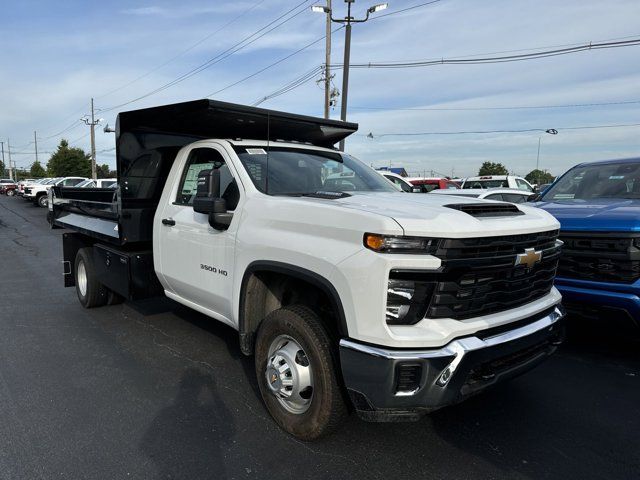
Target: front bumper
<point>578,295</point>
<point>387,384</point>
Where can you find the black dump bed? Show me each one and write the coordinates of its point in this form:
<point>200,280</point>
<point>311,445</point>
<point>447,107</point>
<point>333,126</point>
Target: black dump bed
<point>147,142</point>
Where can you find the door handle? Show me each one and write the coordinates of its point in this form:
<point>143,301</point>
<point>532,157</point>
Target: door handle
<point>168,221</point>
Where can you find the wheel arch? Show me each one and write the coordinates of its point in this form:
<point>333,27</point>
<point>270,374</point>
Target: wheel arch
<point>249,317</point>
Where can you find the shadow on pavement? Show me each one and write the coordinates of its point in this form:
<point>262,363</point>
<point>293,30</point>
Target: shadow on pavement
<point>191,435</point>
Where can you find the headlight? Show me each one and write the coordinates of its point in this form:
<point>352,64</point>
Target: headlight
<point>399,244</point>
<point>407,298</point>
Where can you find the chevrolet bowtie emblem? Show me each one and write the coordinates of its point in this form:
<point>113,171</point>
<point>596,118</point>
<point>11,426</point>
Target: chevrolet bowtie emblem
<point>529,258</point>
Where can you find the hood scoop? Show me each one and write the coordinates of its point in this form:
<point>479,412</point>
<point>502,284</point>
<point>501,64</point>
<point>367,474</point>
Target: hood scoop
<point>487,209</point>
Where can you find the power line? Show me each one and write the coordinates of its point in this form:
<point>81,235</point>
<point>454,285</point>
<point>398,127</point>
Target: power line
<point>221,56</point>
<point>270,65</point>
<point>188,49</point>
<point>515,107</point>
<point>498,59</point>
<point>484,132</point>
<point>308,76</point>
<point>404,9</point>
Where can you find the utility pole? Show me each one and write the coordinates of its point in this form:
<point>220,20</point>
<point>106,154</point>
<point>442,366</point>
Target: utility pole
<point>347,21</point>
<point>9,152</point>
<point>327,64</point>
<point>2,146</point>
<point>92,125</point>
<point>345,68</point>
<point>35,142</point>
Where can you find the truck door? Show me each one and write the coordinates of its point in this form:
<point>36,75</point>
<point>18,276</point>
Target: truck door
<point>197,260</point>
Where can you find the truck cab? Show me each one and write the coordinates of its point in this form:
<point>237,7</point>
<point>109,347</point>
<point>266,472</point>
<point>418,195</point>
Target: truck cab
<point>349,294</point>
<point>598,206</point>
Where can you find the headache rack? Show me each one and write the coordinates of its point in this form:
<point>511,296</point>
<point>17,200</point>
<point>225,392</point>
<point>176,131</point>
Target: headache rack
<point>147,142</point>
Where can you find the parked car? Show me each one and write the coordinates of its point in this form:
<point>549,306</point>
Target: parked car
<point>22,184</point>
<point>37,193</point>
<point>99,183</point>
<point>598,206</point>
<point>367,291</point>
<point>427,185</point>
<point>400,182</point>
<point>7,187</point>
<point>497,181</point>
<point>512,195</point>
<point>6,182</point>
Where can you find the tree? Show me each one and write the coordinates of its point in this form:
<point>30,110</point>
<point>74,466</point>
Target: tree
<point>37,170</point>
<point>539,177</point>
<point>490,168</point>
<point>67,161</point>
<point>103,171</point>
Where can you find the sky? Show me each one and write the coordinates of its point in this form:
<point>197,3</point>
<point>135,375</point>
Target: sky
<point>55,56</point>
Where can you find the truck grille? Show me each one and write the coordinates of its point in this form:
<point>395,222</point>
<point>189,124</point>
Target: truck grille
<point>478,277</point>
<point>27,190</point>
<point>490,247</point>
<point>601,257</point>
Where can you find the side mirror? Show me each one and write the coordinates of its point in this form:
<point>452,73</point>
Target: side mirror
<point>416,190</point>
<point>208,200</point>
<point>534,198</point>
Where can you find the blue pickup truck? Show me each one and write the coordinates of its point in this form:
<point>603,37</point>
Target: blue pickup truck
<point>598,206</point>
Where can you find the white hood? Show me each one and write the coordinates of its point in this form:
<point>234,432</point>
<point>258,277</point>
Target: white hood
<point>424,215</point>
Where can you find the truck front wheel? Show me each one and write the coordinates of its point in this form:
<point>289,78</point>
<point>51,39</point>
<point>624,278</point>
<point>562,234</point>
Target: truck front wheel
<point>297,373</point>
<point>42,201</point>
<point>91,292</point>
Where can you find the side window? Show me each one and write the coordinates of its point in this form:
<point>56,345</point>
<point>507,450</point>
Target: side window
<point>522,185</point>
<point>71,182</point>
<point>205,159</point>
<point>515,198</point>
<point>403,186</point>
<point>494,196</point>
<point>429,187</point>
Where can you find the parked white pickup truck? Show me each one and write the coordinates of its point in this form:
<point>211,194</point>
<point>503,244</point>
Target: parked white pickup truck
<point>37,192</point>
<point>349,293</point>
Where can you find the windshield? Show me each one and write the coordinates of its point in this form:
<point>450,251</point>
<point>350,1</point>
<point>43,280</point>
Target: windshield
<point>612,180</point>
<point>303,172</point>
<point>485,184</point>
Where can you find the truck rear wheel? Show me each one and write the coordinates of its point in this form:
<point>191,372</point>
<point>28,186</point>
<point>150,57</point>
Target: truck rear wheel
<point>91,292</point>
<point>297,373</point>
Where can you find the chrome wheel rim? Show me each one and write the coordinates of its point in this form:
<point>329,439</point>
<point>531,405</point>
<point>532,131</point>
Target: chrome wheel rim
<point>43,201</point>
<point>289,375</point>
<point>81,278</point>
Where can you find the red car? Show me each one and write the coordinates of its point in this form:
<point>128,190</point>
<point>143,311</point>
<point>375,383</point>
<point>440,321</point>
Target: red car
<point>7,187</point>
<point>428,184</point>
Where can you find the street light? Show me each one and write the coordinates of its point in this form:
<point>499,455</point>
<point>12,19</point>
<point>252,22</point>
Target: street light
<point>550,131</point>
<point>347,21</point>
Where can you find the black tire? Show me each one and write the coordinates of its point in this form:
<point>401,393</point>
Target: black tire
<point>10,193</point>
<point>95,294</point>
<point>114,298</point>
<point>42,201</point>
<point>327,408</point>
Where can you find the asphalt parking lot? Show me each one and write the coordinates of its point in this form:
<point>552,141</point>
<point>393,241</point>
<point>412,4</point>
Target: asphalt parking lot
<point>154,390</point>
